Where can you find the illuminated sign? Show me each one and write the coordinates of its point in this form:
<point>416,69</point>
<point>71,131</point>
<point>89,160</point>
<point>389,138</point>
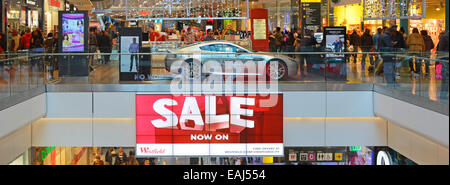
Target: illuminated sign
<point>31,2</point>
<point>55,3</point>
<point>355,148</point>
<point>303,156</point>
<point>203,125</point>
<point>46,151</point>
<point>338,156</point>
<point>383,158</point>
<point>324,157</point>
<point>292,157</point>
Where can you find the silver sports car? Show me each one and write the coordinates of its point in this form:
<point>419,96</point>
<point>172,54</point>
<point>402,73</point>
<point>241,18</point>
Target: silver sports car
<point>275,67</point>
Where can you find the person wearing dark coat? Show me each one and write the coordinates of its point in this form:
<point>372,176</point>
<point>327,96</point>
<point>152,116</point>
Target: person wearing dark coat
<point>366,46</point>
<point>355,41</point>
<point>385,45</point>
<point>105,46</point>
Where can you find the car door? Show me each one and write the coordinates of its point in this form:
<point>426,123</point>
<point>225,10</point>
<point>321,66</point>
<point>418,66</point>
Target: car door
<point>213,52</point>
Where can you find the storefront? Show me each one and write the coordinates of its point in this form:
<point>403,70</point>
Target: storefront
<point>434,21</point>
<point>51,8</point>
<point>354,155</point>
<point>15,15</point>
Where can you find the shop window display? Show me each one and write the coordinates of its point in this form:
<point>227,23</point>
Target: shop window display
<point>126,156</point>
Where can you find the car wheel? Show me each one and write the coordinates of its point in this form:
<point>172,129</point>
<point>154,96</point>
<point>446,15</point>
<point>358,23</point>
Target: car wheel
<point>276,70</point>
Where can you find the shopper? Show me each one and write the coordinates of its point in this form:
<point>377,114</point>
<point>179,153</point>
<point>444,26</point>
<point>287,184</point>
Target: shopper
<point>442,51</point>
<point>110,156</point>
<point>272,46</point>
<point>355,41</point>
<point>132,159</point>
<point>3,44</point>
<point>210,36</point>
<point>25,41</point>
<point>93,46</point>
<point>37,40</point>
<point>429,45</point>
<point>190,37</point>
<point>290,41</point>
<point>415,45</point>
<point>366,46</point>
<point>278,39</point>
<point>105,46</point>
<point>385,45</point>
<point>200,36</point>
<point>307,44</point>
<point>121,157</point>
<point>48,46</point>
<point>98,161</point>
<point>15,41</point>
<point>399,45</point>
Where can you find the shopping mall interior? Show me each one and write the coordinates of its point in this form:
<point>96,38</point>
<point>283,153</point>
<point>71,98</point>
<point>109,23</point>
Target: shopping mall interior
<point>224,82</point>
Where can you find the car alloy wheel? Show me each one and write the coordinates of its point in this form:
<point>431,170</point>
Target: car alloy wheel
<point>276,70</point>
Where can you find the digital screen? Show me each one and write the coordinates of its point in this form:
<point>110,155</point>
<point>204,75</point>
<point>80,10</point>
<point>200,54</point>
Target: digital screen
<point>129,60</point>
<point>73,32</point>
<point>208,125</point>
<point>334,41</point>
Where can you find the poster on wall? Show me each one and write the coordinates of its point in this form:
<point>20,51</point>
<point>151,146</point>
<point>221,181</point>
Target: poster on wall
<point>208,125</point>
<point>74,32</point>
<point>131,63</point>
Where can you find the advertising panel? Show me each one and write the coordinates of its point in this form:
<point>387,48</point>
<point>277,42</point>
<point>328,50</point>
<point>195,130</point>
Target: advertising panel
<point>73,32</point>
<point>208,125</point>
<point>131,63</point>
<point>335,45</point>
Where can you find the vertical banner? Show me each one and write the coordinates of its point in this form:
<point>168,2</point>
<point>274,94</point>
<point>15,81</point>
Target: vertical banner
<point>335,44</point>
<point>208,125</point>
<point>310,13</point>
<point>260,29</point>
<point>73,38</point>
<point>132,65</point>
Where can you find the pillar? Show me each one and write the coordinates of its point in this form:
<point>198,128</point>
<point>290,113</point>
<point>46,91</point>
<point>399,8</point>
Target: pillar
<point>404,23</point>
<point>446,15</point>
<point>2,16</point>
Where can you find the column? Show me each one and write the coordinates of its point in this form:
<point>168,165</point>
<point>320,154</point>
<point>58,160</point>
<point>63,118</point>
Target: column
<point>404,23</point>
<point>446,15</point>
<point>2,16</point>
<point>277,4</point>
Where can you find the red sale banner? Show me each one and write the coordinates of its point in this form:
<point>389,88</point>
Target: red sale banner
<point>168,125</point>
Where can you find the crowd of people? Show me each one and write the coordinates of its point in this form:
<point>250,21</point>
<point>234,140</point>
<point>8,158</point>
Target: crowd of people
<point>419,44</point>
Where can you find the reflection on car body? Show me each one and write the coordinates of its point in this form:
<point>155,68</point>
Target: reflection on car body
<point>275,67</point>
